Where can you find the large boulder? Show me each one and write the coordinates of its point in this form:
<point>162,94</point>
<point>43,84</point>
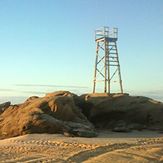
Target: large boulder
<point>54,113</point>
<point>121,112</point>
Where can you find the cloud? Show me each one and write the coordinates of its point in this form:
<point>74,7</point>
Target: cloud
<point>21,91</point>
<point>13,99</point>
<point>32,92</point>
<point>155,92</point>
<point>6,90</point>
<point>51,86</point>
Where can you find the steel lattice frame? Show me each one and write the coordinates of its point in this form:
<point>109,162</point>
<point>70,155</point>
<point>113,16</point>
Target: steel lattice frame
<point>106,58</point>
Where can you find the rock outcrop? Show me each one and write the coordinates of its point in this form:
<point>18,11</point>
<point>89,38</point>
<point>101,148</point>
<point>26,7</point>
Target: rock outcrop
<point>54,113</point>
<point>72,115</point>
<point>121,112</point>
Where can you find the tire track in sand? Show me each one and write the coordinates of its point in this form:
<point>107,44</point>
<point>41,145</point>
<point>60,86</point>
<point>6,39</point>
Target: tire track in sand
<point>40,150</point>
<point>53,150</point>
<point>142,143</point>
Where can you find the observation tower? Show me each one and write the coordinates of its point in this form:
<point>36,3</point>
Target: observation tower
<point>107,66</point>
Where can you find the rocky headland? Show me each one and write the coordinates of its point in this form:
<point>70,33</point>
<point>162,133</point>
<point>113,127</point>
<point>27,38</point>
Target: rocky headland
<point>66,113</point>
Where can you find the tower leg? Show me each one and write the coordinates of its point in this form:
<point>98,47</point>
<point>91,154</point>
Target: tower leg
<point>119,70</point>
<point>106,66</point>
<point>95,71</point>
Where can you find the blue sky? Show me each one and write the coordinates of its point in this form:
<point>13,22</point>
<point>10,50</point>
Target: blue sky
<point>51,42</point>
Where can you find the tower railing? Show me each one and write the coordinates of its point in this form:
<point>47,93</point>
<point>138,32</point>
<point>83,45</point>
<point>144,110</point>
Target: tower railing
<point>106,32</point>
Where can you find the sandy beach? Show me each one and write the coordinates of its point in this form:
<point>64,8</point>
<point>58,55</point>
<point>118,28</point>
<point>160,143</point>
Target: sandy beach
<point>146,146</point>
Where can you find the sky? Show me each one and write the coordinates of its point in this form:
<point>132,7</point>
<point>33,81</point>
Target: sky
<point>48,45</point>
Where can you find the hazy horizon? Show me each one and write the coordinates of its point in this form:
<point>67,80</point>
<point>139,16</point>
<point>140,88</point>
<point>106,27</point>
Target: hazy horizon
<point>15,99</point>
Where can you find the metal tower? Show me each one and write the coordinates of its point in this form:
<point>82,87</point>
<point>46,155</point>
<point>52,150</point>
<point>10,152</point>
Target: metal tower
<point>107,65</point>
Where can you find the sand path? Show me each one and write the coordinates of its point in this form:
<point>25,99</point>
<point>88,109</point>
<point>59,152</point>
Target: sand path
<point>107,147</point>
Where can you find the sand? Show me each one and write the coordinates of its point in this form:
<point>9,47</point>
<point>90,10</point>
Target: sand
<point>144,146</point>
